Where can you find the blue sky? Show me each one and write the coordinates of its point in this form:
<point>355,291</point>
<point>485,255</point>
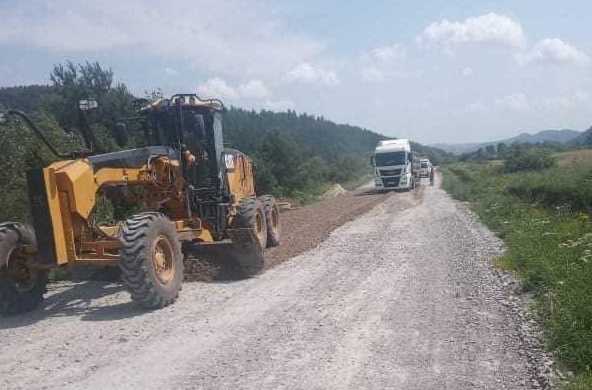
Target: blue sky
<point>437,71</point>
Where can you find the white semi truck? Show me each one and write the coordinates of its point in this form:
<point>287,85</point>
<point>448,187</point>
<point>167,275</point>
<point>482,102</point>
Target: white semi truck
<point>394,167</point>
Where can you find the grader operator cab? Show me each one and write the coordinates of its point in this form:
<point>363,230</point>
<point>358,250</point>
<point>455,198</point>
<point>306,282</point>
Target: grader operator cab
<point>187,187</point>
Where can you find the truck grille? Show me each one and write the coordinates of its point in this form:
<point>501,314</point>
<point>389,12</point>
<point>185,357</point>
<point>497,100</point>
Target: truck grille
<point>390,172</point>
<point>391,181</point>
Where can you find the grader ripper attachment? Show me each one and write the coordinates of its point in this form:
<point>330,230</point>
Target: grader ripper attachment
<point>189,188</point>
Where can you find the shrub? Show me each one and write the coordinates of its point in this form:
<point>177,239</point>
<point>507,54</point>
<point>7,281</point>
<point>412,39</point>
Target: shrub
<point>557,187</point>
<point>533,159</point>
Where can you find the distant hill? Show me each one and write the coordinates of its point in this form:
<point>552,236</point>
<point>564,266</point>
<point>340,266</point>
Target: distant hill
<point>564,136</point>
<point>583,139</point>
<point>559,136</point>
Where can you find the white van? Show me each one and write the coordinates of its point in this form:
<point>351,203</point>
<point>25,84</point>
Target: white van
<point>425,167</point>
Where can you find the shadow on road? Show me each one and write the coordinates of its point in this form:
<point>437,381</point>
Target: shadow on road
<point>75,299</point>
<point>78,297</point>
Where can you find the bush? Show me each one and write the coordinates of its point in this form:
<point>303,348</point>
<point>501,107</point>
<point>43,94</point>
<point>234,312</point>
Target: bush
<point>557,187</point>
<point>533,159</point>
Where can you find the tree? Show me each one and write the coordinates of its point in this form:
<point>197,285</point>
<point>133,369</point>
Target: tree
<point>73,83</point>
<point>502,150</point>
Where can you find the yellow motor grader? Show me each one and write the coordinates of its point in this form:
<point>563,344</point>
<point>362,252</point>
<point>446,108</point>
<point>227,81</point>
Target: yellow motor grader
<point>187,186</point>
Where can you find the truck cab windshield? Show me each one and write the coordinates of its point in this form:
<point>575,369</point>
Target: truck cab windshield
<point>392,158</point>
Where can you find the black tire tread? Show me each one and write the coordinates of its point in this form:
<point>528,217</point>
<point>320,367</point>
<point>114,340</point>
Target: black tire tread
<point>13,235</point>
<point>247,214</point>
<point>134,263</point>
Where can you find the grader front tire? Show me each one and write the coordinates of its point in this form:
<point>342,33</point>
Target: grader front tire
<point>151,260</point>
<point>21,287</point>
<point>251,215</point>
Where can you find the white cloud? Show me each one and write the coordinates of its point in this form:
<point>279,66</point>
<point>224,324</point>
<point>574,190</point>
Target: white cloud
<point>254,89</point>
<point>490,28</point>
<point>373,74</point>
<point>217,88</point>
<point>382,63</point>
<point>520,103</point>
<point>579,99</point>
<point>515,102</point>
<point>170,71</point>
<point>307,73</point>
<point>553,51</point>
<point>467,72</point>
<point>250,41</point>
<point>388,53</point>
<point>476,107</point>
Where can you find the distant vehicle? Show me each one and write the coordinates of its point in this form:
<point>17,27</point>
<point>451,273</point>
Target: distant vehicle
<point>425,168</point>
<point>393,163</point>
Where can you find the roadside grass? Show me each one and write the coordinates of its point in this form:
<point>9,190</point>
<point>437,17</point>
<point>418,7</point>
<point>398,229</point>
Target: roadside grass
<point>575,157</point>
<point>583,382</point>
<point>543,219</point>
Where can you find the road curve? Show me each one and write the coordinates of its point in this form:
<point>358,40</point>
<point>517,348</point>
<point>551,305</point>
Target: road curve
<point>403,297</point>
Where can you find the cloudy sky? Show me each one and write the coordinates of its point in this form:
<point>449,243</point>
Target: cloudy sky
<point>441,71</point>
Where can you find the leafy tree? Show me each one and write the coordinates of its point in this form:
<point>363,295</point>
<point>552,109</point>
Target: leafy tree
<point>528,159</point>
<point>502,149</point>
<point>73,83</point>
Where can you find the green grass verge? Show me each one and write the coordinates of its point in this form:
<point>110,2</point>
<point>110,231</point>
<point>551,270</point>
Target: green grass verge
<point>549,246</point>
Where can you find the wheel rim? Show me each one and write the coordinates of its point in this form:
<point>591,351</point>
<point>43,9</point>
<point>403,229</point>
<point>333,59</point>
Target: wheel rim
<point>163,260</point>
<point>20,273</point>
<point>274,218</point>
<point>259,226</point>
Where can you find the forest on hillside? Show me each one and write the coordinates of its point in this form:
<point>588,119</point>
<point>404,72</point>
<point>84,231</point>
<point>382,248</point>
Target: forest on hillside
<point>296,155</point>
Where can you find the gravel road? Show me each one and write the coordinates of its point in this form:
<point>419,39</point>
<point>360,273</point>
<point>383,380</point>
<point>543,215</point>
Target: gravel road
<point>402,297</point>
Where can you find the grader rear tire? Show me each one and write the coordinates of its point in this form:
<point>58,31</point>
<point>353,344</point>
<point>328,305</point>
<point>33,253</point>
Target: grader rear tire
<point>272,217</point>
<point>151,260</point>
<point>21,287</point>
<point>249,236</point>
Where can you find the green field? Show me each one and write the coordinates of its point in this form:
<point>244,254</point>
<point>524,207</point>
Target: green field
<point>543,217</point>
